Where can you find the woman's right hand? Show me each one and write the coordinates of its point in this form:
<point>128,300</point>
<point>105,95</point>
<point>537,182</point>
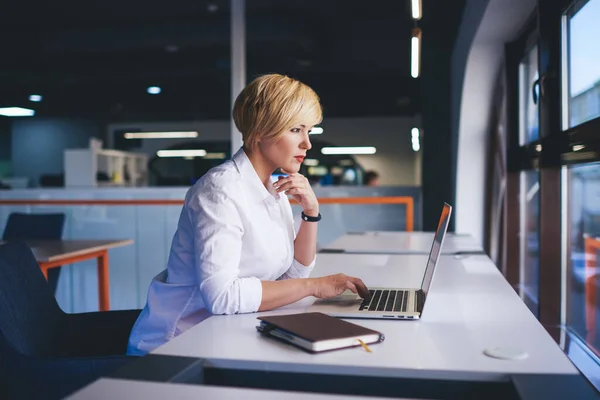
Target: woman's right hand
<point>334,285</point>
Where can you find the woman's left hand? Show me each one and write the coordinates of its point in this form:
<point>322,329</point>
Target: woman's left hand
<point>299,187</point>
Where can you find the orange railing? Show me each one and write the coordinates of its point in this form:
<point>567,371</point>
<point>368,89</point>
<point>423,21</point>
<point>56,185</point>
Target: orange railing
<point>406,200</point>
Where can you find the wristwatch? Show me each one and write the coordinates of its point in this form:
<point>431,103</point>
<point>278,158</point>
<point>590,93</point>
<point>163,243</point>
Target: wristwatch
<point>308,218</point>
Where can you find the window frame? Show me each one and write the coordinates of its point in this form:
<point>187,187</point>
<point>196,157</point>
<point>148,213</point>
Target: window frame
<point>557,148</point>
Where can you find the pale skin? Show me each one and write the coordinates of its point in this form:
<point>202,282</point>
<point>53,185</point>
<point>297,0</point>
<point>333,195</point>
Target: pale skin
<point>287,154</point>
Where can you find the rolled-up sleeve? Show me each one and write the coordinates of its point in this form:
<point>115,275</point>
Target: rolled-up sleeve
<point>218,232</point>
<point>298,270</point>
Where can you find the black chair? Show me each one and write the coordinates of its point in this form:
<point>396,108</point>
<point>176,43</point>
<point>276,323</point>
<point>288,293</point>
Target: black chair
<point>36,227</point>
<point>44,352</point>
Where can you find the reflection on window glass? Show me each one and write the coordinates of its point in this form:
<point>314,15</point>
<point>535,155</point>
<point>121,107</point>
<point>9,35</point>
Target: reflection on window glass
<point>584,217</point>
<point>584,59</point>
<point>528,110</point>
<point>529,268</point>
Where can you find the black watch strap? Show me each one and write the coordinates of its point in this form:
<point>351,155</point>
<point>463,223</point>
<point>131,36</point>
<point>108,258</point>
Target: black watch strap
<point>308,218</point>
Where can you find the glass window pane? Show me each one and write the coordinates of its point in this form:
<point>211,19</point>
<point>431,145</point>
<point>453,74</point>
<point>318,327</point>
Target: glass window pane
<point>529,266</point>
<point>584,59</point>
<point>528,110</point>
<point>584,217</point>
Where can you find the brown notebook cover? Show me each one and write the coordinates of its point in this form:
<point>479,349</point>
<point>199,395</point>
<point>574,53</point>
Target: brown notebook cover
<point>317,331</point>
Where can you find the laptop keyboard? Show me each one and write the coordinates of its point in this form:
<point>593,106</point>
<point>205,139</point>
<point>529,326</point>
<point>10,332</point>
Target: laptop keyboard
<point>386,300</point>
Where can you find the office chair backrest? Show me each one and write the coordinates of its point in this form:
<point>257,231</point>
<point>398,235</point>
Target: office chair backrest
<point>34,226</point>
<point>29,313</point>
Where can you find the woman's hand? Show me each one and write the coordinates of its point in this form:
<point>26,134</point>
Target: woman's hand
<point>334,285</point>
<point>299,187</point>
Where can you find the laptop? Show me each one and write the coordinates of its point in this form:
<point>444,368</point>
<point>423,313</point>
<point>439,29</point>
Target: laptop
<point>390,303</point>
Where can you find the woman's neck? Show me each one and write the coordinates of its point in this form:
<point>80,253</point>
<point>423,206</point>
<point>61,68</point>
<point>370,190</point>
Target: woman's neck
<point>261,166</point>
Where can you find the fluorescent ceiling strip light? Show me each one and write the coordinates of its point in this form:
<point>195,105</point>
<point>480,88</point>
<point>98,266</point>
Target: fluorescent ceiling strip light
<point>416,9</point>
<point>349,150</point>
<point>160,135</point>
<point>215,156</point>
<point>181,153</point>
<point>414,132</point>
<point>415,53</point>
<point>16,112</point>
<point>311,162</point>
<point>317,130</point>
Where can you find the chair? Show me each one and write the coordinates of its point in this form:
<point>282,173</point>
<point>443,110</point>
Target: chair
<point>44,352</point>
<point>36,227</point>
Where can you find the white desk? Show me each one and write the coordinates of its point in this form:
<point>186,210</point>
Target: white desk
<point>116,389</point>
<point>471,307</point>
<point>402,243</point>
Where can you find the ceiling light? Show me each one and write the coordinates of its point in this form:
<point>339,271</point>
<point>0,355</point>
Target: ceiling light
<point>160,135</point>
<point>317,130</point>
<point>414,133</point>
<point>417,12</point>
<point>578,147</point>
<point>349,150</point>
<point>181,153</point>
<point>415,53</point>
<point>215,156</point>
<point>16,112</point>
<point>311,162</point>
<point>538,148</point>
<point>35,98</point>
<point>153,90</point>
<point>318,171</point>
<point>416,146</point>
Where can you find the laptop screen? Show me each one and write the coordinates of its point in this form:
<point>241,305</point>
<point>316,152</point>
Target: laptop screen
<point>436,247</point>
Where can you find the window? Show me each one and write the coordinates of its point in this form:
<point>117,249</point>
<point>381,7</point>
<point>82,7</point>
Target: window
<point>528,286</point>
<point>583,57</point>
<point>584,273</point>
<point>529,113</point>
<point>529,263</point>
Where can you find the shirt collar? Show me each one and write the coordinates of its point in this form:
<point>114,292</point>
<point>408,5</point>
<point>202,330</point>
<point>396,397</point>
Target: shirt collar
<point>251,178</point>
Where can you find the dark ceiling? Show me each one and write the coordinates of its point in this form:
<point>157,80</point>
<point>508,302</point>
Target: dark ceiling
<point>95,59</point>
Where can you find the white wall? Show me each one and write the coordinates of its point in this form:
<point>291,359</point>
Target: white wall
<point>476,63</point>
<point>394,160</point>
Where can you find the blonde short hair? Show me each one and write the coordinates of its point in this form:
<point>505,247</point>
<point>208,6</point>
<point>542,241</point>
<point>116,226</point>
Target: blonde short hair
<point>272,104</point>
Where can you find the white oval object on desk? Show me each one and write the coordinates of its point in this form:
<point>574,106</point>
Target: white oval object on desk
<point>506,353</point>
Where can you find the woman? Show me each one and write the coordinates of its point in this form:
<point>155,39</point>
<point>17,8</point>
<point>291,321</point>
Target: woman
<point>236,249</point>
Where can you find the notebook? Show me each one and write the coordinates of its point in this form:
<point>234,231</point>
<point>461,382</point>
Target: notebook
<point>316,332</point>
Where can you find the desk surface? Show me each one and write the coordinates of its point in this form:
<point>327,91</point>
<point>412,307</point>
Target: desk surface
<point>116,389</point>
<point>471,307</point>
<point>56,250</point>
<point>402,243</point>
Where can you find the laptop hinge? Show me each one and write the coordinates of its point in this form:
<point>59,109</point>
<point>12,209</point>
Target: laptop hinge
<point>419,300</point>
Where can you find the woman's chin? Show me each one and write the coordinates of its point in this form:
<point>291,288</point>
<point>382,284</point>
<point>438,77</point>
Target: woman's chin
<point>292,168</point>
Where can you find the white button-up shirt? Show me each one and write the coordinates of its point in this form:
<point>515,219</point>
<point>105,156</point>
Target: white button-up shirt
<point>232,233</point>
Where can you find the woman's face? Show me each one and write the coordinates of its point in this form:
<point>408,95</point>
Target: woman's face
<point>289,150</point>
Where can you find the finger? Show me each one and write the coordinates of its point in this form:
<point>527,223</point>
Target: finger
<point>351,286</point>
<point>281,179</point>
<point>295,192</point>
<point>290,185</point>
<point>363,291</point>
<point>285,186</point>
